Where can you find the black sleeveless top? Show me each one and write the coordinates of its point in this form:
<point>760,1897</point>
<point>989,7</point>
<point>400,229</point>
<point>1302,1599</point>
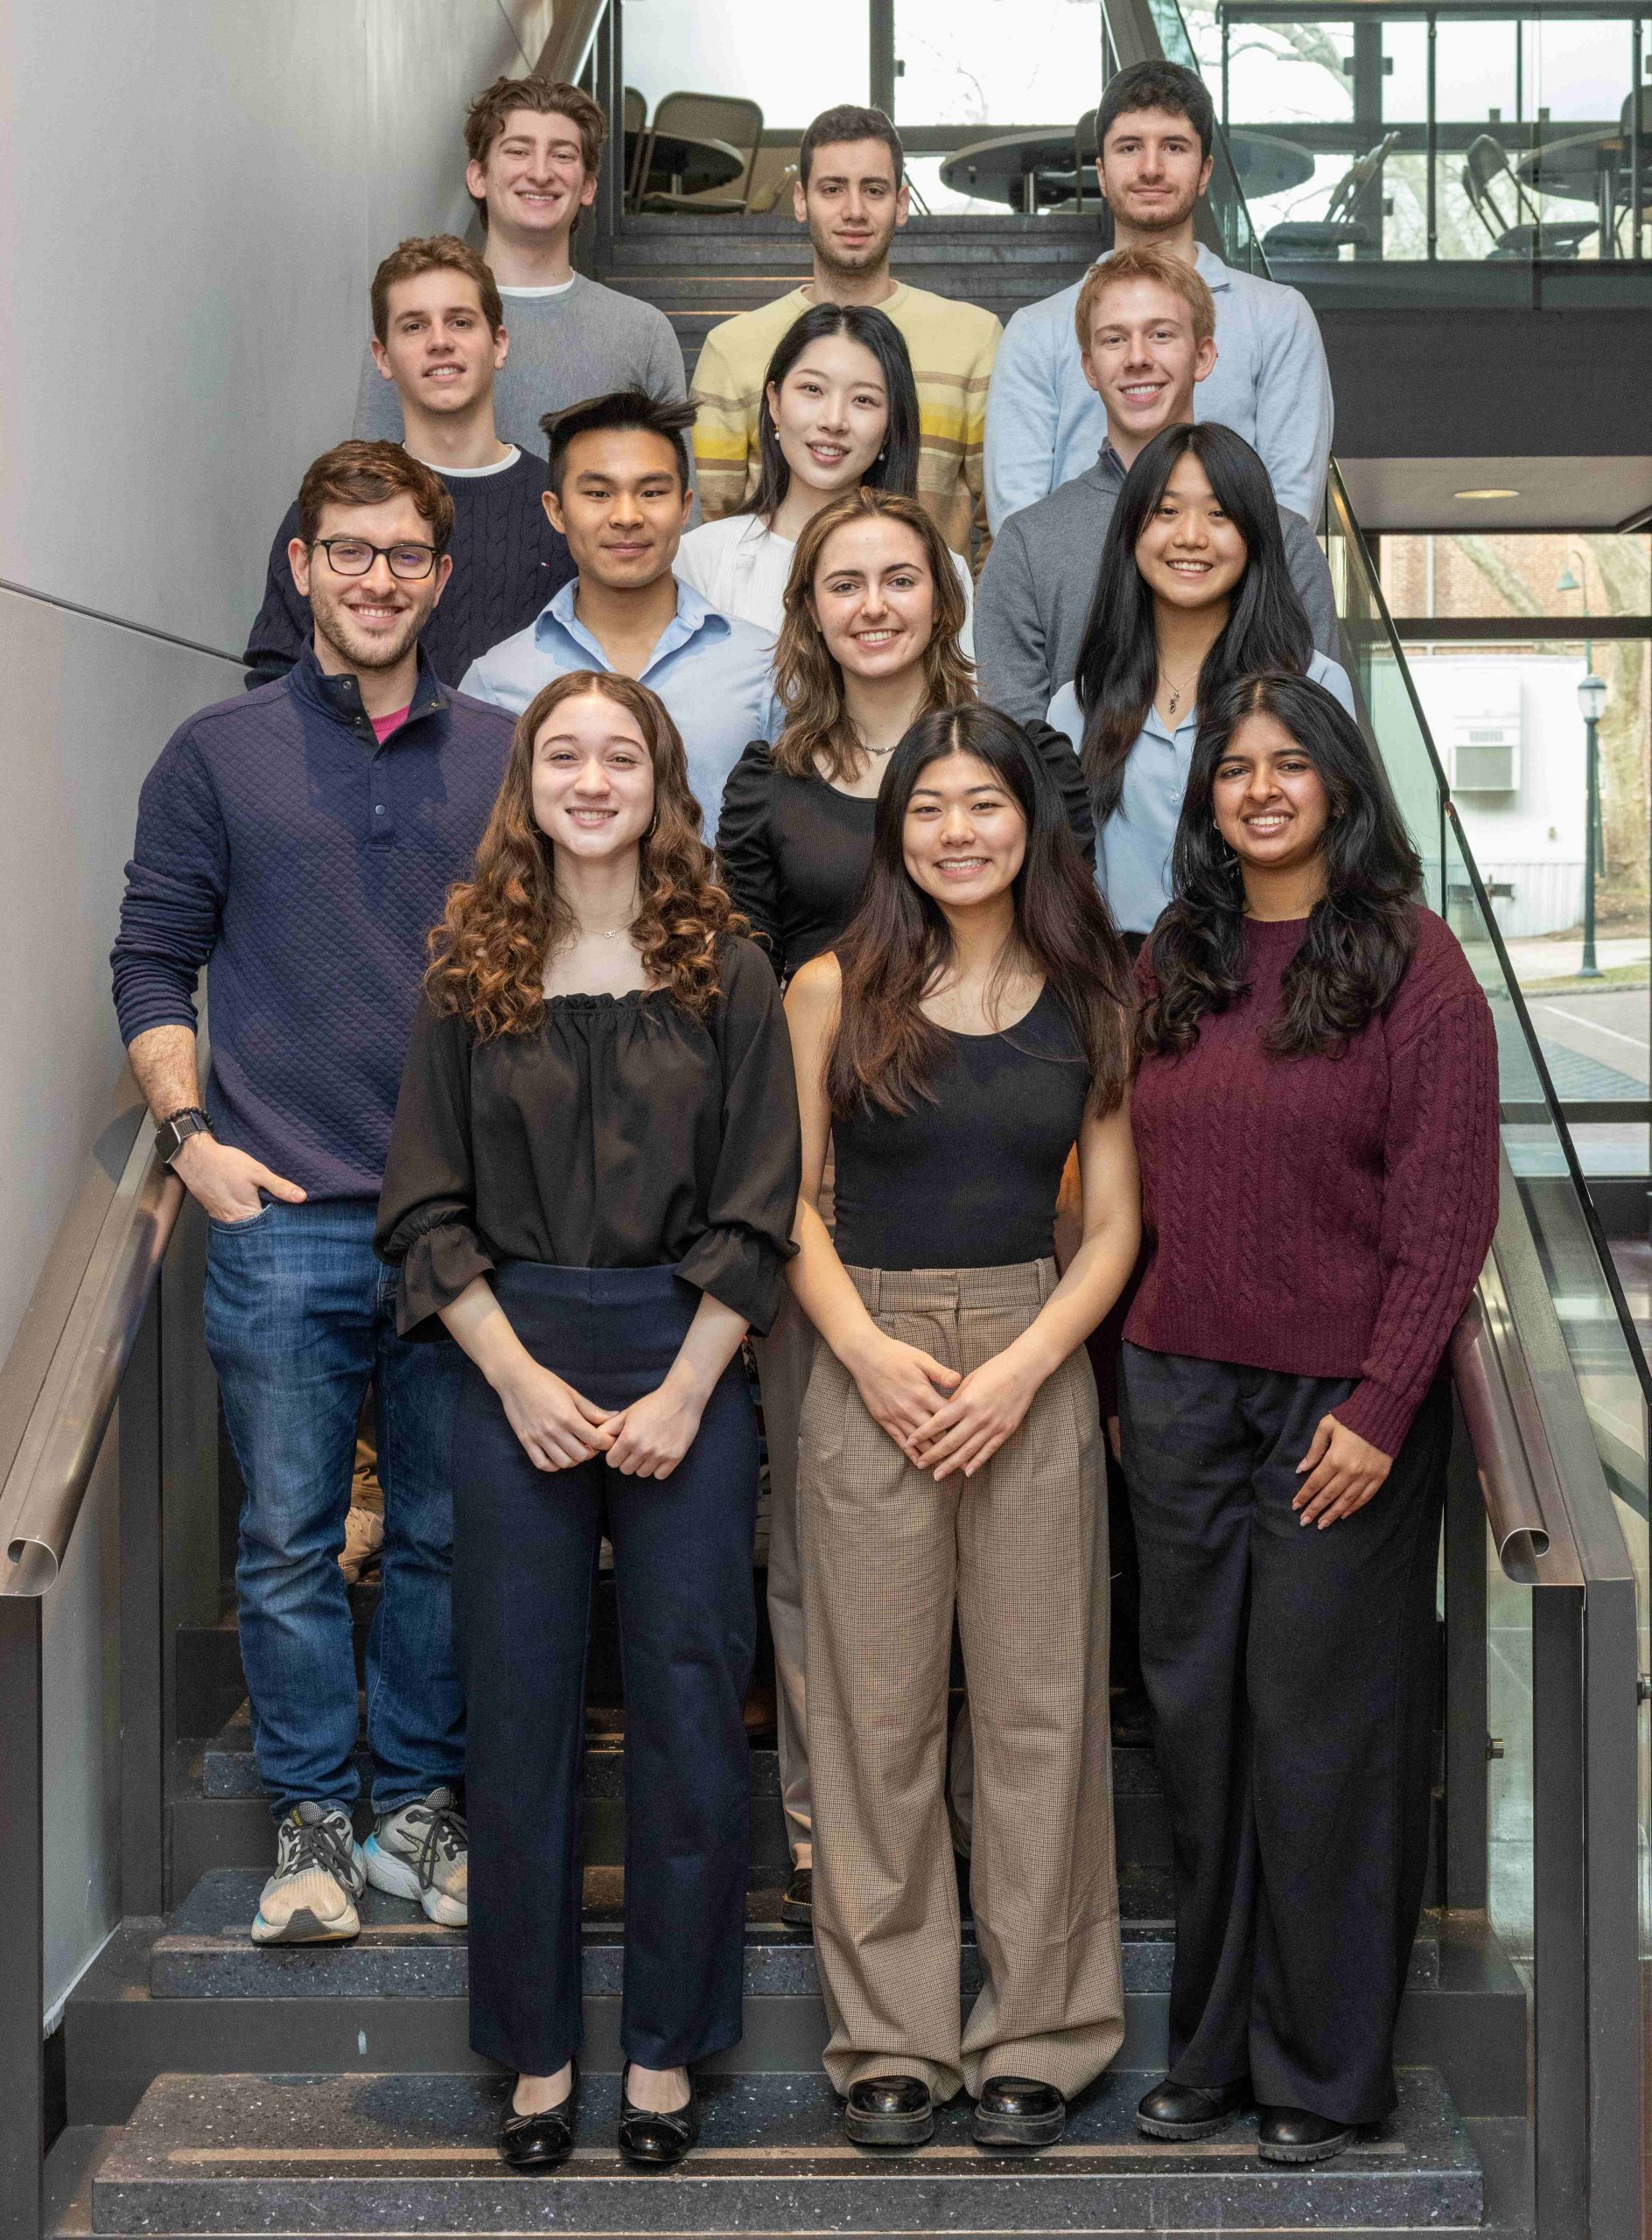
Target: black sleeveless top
<point>967,1180</point>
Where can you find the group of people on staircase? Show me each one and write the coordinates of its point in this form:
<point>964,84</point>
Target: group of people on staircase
<point>940,920</point>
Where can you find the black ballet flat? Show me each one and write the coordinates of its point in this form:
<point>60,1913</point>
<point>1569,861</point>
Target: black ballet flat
<point>542,2141</point>
<point>1188,2111</point>
<point>1018,2114</point>
<point>653,2140</point>
<point>1296,2135</point>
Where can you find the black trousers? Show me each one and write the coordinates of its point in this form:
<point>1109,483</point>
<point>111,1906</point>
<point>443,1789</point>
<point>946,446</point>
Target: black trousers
<point>526,1544</point>
<point>1291,1675</point>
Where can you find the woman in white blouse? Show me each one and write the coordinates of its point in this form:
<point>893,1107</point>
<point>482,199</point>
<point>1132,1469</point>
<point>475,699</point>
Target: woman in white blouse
<point>840,410</point>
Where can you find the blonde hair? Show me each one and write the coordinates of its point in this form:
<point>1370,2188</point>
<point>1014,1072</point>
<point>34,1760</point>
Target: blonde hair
<point>817,738</point>
<point>1145,264</point>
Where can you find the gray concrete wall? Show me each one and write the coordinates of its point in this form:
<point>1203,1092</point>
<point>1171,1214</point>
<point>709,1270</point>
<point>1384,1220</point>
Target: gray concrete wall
<point>193,194</point>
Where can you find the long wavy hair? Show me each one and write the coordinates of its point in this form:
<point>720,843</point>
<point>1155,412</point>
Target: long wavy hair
<point>1361,937</point>
<point>899,944</point>
<point>488,955</point>
<point>818,738</point>
<point>1267,625</point>
<point>896,465</point>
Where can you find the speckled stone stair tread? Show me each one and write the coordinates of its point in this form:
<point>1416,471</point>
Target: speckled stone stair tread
<point>205,1951</point>
<point>387,2154</point>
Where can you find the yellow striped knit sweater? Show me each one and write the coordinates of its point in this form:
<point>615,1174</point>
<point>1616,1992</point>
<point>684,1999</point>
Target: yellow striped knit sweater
<point>952,347</point>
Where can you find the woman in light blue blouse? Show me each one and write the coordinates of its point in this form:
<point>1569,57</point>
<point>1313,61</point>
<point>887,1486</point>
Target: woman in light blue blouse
<point>1193,591</point>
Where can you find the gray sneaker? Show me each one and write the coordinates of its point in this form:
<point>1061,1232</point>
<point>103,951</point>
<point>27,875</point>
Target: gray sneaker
<point>421,1851</point>
<point>319,1874</point>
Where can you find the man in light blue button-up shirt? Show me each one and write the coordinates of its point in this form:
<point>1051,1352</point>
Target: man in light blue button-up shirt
<point>621,495</point>
<point>1270,383</point>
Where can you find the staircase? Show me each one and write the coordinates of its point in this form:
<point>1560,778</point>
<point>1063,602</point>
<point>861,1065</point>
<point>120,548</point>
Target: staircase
<point>213,2088</point>
<point>701,270</point>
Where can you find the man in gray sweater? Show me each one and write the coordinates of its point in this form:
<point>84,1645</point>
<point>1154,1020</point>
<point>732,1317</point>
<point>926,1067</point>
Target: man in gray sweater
<point>534,148</point>
<point>1145,335</point>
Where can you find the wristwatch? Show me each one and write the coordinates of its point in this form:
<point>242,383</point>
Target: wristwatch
<point>176,1129</point>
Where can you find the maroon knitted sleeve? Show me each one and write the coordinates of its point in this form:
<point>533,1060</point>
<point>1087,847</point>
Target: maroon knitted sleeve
<point>1440,1196</point>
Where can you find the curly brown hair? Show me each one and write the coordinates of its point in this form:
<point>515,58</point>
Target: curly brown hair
<point>818,738</point>
<point>488,957</point>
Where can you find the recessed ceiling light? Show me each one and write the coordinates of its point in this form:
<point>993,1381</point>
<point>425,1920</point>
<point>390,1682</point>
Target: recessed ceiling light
<point>1485,494</point>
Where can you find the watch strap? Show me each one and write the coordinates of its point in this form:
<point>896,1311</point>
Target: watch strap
<point>176,1129</point>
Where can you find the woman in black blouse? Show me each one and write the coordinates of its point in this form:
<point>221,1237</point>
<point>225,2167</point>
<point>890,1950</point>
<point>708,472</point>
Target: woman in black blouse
<point>869,643</point>
<point>590,1183</point>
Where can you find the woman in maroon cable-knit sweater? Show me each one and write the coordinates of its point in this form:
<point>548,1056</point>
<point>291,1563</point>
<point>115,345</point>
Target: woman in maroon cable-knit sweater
<point>1316,1118</point>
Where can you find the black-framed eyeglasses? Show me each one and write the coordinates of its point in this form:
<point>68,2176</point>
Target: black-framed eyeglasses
<point>353,555</point>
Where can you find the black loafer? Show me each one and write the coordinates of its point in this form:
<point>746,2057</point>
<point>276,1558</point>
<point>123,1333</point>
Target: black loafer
<point>539,2142</point>
<point>653,2140</point>
<point>889,2111</point>
<point>797,1907</point>
<point>1181,2111</point>
<point>1295,2135</point>
<point>1017,2113</point>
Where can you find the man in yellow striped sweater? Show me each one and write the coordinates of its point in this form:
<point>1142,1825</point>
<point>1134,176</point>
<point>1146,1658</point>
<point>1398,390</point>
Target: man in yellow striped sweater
<point>851,195</point>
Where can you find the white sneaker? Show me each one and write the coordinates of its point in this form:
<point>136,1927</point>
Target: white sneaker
<point>319,1874</point>
<point>422,1851</point>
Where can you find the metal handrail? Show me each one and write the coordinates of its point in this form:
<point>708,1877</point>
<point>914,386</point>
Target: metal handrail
<point>75,1341</point>
<point>1526,1507</point>
<point>573,34</point>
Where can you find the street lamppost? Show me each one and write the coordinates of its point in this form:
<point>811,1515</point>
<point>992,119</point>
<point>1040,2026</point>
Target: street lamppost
<point>1592,699</point>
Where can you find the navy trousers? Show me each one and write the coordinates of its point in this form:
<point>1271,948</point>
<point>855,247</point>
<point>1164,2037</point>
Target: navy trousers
<point>525,1553</point>
<point>1291,1677</point>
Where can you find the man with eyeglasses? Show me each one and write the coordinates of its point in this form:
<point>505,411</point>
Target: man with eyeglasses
<point>298,842</point>
<point>439,341</point>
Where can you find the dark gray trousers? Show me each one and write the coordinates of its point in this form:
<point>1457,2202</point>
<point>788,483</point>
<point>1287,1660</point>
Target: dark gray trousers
<point>1291,1675</point>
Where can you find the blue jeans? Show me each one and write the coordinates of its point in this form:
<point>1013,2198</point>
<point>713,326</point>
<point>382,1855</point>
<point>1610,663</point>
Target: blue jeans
<point>300,1319</point>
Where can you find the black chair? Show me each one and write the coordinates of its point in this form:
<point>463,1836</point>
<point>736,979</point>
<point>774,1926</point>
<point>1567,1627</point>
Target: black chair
<point>636,138</point>
<point>726,117</point>
<point>1525,233</point>
<point>1321,240</point>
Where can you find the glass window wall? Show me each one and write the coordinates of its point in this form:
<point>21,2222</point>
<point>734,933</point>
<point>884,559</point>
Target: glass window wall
<point>1525,764</point>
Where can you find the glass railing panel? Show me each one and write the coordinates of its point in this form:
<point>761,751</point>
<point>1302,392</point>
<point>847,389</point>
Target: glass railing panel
<point>1405,133</point>
<point>1510,1902</point>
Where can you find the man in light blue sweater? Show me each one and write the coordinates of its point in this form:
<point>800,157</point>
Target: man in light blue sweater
<point>1269,384</point>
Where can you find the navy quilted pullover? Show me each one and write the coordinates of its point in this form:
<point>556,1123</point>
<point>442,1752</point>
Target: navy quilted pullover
<point>279,844</point>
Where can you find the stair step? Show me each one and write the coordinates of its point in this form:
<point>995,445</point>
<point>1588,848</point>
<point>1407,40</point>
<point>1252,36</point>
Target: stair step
<point>327,2154</point>
<point>206,1953</point>
<point>220,1818</point>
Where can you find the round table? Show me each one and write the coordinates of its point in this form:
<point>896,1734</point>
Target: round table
<point>1029,171</point>
<point>678,164</point>
<point>1590,167</point>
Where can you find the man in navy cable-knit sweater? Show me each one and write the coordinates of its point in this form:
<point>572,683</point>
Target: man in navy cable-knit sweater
<point>438,336</point>
<point>299,841</point>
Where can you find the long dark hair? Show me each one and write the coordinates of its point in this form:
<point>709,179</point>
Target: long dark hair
<point>1267,626</point>
<point>885,1051</point>
<point>896,465</point>
<point>1359,937</point>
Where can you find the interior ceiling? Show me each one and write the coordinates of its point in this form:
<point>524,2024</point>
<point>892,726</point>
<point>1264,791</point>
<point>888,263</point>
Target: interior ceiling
<point>1420,494</point>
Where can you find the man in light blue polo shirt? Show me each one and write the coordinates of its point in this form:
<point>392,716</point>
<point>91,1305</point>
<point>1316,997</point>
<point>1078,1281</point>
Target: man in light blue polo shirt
<point>620,492</point>
<point>1270,383</point>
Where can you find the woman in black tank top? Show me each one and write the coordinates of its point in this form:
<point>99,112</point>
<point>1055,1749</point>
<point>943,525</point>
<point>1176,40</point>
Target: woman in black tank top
<point>969,1028</point>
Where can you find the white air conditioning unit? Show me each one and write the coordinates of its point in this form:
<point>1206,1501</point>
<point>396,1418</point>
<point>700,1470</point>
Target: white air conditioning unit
<point>1485,751</point>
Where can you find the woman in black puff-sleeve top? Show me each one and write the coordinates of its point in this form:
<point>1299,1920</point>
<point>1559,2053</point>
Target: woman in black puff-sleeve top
<point>869,643</point>
<point>590,1183</point>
